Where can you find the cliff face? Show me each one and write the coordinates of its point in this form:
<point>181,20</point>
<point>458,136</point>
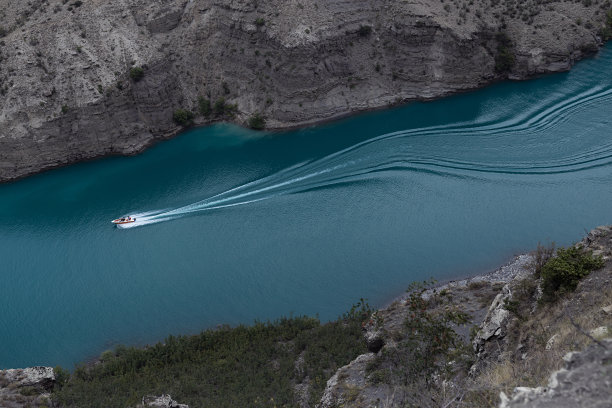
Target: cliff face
<point>66,93</point>
<point>524,351</point>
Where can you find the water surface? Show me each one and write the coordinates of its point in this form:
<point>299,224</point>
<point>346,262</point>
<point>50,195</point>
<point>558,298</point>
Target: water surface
<point>236,225</point>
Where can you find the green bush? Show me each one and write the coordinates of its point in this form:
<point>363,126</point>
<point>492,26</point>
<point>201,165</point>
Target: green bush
<point>65,109</point>
<point>252,366</point>
<point>504,59</point>
<point>257,122</point>
<point>61,376</point>
<point>364,30</point>
<point>221,108</point>
<point>183,117</point>
<point>606,32</point>
<point>260,22</point>
<point>563,272</point>
<point>204,106</point>
<point>136,73</point>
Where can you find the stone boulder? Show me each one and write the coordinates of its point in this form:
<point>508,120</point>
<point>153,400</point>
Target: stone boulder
<point>164,401</point>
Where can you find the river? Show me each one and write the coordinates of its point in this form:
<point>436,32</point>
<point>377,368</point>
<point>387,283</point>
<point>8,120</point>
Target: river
<point>235,225</point>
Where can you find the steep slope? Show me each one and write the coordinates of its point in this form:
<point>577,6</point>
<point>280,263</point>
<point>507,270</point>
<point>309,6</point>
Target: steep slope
<point>66,93</point>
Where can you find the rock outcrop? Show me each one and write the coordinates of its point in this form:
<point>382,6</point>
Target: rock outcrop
<point>66,93</point>
<point>28,387</point>
<point>586,381</point>
<point>164,401</point>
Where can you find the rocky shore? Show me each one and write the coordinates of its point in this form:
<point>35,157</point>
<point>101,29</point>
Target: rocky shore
<point>511,349</point>
<point>490,340</point>
<point>85,79</point>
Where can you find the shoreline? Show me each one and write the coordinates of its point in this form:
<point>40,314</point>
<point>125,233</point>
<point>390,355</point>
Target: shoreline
<point>314,122</point>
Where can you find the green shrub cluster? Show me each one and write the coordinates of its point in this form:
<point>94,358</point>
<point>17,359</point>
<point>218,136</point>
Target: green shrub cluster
<point>255,366</point>
<point>183,117</point>
<point>563,271</point>
<point>257,121</point>
<point>364,30</point>
<point>504,59</point>
<point>136,73</point>
<point>425,344</point>
<point>606,31</point>
<point>204,106</point>
<point>221,108</point>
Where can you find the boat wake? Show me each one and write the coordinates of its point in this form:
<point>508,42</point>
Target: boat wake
<point>438,149</point>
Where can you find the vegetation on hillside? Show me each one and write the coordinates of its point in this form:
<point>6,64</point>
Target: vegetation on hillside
<point>504,59</point>
<point>257,122</point>
<point>183,117</point>
<point>136,73</point>
<point>255,366</point>
<point>563,272</point>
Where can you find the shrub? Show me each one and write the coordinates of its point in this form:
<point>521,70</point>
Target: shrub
<point>61,375</point>
<point>364,30</point>
<point>563,272</point>
<point>260,22</point>
<point>257,121</point>
<point>65,109</point>
<point>219,106</point>
<point>183,117</point>
<point>136,73</point>
<point>606,32</point>
<point>204,106</point>
<point>504,59</point>
<point>229,367</point>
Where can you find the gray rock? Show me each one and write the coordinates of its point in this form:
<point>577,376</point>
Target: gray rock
<point>586,381</point>
<point>164,401</point>
<point>494,324</point>
<point>66,94</point>
<point>30,377</point>
<point>35,382</point>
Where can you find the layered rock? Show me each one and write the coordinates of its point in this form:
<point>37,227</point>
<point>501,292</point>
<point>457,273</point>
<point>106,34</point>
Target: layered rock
<point>585,381</point>
<point>28,387</point>
<point>66,93</point>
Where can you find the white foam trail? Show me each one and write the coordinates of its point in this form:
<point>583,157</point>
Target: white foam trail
<point>390,151</point>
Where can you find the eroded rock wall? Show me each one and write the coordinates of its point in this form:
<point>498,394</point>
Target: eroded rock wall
<point>66,94</point>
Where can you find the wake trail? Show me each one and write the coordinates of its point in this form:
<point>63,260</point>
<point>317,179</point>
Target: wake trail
<point>394,151</point>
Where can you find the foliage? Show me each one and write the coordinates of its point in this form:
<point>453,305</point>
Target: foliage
<point>183,117</point>
<point>255,366</point>
<point>222,108</point>
<point>136,73</point>
<point>204,106</point>
<point>61,376</point>
<point>542,255</point>
<point>563,272</point>
<point>606,31</point>
<point>65,109</point>
<point>260,22</point>
<point>504,59</point>
<point>426,343</point>
<point>257,121</point>
<point>364,30</point>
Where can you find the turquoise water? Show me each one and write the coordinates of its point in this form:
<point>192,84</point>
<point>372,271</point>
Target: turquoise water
<point>235,225</point>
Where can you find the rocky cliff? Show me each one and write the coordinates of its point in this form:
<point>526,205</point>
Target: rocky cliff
<point>490,340</point>
<point>503,340</point>
<point>66,93</point>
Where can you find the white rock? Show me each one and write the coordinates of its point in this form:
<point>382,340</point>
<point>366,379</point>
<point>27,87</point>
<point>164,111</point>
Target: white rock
<point>601,331</point>
<point>551,342</point>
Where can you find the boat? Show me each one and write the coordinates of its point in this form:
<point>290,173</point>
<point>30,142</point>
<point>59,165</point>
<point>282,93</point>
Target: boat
<point>124,220</point>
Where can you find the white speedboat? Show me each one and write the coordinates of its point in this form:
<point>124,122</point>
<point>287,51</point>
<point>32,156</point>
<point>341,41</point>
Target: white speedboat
<point>124,220</point>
